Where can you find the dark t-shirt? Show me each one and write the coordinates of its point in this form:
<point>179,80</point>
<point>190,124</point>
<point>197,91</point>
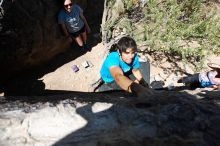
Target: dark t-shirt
<point>72,19</point>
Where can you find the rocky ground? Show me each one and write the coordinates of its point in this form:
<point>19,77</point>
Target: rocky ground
<point>162,73</point>
<point>62,78</point>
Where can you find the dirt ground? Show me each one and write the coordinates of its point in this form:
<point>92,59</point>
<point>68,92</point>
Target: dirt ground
<point>64,78</point>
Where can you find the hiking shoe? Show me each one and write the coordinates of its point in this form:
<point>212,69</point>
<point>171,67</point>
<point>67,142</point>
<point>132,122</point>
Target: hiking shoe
<point>82,48</point>
<point>86,46</point>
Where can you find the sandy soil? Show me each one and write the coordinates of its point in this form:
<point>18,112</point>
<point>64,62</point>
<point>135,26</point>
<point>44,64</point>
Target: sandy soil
<point>64,78</point>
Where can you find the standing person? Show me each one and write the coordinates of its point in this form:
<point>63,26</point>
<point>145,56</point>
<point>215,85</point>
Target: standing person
<point>73,23</point>
<point>119,67</point>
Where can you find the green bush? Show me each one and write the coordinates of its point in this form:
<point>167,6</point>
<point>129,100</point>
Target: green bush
<point>170,23</point>
<point>174,21</point>
<point>185,29</point>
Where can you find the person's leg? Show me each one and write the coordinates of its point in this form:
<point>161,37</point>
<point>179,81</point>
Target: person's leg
<point>79,40</point>
<point>84,37</point>
<point>79,37</point>
<point>190,79</point>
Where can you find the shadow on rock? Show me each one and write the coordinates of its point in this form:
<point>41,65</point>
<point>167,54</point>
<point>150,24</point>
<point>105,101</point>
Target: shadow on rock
<point>177,119</point>
<point>118,118</point>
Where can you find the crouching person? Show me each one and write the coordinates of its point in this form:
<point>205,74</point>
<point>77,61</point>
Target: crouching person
<point>121,70</point>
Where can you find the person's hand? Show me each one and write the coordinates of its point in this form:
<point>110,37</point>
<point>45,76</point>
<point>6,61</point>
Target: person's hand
<point>141,91</point>
<point>215,87</point>
<point>143,83</point>
<point>214,66</point>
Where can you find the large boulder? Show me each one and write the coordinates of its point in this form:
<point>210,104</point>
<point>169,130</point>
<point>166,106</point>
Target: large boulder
<point>111,119</point>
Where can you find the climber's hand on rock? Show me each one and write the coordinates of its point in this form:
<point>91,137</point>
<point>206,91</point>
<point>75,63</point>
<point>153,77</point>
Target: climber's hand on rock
<point>140,90</point>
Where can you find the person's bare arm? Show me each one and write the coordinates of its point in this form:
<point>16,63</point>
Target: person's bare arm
<point>216,80</point>
<point>137,74</point>
<point>139,77</point>
<point>123,81</point>
<point>128,85</point>
<point>63,27</point>
<point>85,22</point>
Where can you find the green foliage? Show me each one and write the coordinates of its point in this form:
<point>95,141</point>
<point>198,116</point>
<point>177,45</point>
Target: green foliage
<point>129,4</point>
<point>171,24</point>
<point>126,24</point>
<point>185,29</point>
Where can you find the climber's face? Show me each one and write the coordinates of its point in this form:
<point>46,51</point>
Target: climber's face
<point>128,55</point>
<point>68,5</point>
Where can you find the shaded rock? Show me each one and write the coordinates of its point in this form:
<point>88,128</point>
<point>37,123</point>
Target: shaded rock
<point>30,34</point>
<point>94,119</point>
<point>34,33</point>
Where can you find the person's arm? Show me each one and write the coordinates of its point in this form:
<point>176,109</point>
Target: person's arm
<point>138,75</point>
<point>215,87</point>
<point>123,81</point>
<point>88,30</point>
<point>63,27</point>
<point>61,22</point>
<point>66,33</point>
<point>128,85</point>
<point>217,80</point>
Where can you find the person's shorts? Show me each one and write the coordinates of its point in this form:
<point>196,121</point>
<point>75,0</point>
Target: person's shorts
<point>76,34</point>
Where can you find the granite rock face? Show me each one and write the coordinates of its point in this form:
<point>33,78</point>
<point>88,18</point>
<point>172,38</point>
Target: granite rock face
<point>99,119</point>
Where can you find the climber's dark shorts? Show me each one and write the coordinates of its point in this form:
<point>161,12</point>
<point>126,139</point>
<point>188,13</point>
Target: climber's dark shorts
<point>76,34</point>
